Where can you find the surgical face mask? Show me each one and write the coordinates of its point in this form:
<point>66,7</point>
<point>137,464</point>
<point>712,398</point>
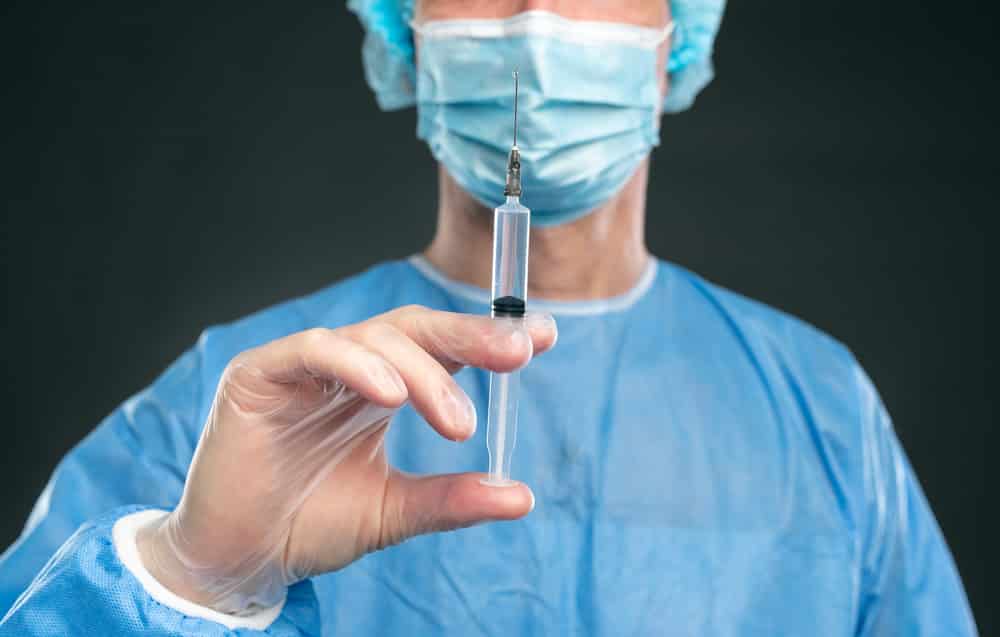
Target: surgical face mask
<point>588,110</point>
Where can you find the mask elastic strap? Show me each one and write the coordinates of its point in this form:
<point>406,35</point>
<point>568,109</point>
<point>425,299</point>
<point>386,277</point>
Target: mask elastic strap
<point>668,30</point>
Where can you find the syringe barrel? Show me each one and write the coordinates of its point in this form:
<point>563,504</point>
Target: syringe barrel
<point>512,221</point>
<point>501,425</point>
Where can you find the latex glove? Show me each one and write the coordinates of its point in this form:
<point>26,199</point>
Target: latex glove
<point>290,477</point>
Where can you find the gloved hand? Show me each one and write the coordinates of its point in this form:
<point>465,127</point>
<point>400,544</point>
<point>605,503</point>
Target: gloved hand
<point>290,477</point>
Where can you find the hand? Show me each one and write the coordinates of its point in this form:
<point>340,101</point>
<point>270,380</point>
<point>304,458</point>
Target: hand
<point>290,477</point>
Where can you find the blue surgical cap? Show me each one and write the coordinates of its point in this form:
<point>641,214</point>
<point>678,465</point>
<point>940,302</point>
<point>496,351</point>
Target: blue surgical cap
<point>391,71</point>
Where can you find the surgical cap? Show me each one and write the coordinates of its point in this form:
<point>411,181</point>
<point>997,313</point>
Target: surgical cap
<point>391,72</point>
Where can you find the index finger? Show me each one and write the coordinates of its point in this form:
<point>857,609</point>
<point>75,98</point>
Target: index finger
<point>456,340</point>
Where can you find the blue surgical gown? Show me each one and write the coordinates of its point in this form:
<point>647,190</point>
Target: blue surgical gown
<point>703,465</point>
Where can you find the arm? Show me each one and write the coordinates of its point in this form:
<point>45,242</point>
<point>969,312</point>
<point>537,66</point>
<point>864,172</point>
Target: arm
<point>909,582</point>
<point>290,479</point>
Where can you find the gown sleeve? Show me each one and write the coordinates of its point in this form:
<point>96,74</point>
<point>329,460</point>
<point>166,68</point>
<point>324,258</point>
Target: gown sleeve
<point>909,583</point>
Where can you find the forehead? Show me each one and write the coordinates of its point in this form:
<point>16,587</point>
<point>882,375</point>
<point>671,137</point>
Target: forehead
<point>653,13</point>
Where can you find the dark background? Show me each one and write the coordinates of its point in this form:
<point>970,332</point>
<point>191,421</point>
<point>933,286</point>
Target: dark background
<point>166,169</point>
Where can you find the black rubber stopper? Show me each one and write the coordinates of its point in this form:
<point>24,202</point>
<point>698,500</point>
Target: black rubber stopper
<point>508,306</point>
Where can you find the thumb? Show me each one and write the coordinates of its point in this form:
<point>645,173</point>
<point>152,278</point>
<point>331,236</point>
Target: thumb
<point>415,505</point>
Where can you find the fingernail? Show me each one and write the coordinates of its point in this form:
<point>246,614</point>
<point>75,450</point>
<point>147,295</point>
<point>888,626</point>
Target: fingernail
<point>388,379</point>
<point>517,337</point>
<point>544,321</point>
<point>459,410</point>
<point>532,494</point>
<point>509,337</point>
<point>470,413</point>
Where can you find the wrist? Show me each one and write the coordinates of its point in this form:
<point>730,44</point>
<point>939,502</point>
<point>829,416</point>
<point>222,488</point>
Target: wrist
<point>231,580</point>
<point>159,558</point>
<point>190,599</point>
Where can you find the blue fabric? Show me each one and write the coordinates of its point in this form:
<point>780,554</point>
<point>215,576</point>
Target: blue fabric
<point>390,69</point>
<point>703,465</point>
<point>586,116</point>
<point>85,590</point>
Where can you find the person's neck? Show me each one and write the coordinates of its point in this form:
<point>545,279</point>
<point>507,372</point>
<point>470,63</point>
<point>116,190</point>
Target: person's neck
<point>601,255</point>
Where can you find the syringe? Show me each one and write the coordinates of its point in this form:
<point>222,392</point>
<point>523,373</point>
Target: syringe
<point>511,222</point>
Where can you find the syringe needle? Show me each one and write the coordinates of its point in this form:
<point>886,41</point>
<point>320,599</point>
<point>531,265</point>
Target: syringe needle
<point>513,183</point>
<point>515,108</point>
